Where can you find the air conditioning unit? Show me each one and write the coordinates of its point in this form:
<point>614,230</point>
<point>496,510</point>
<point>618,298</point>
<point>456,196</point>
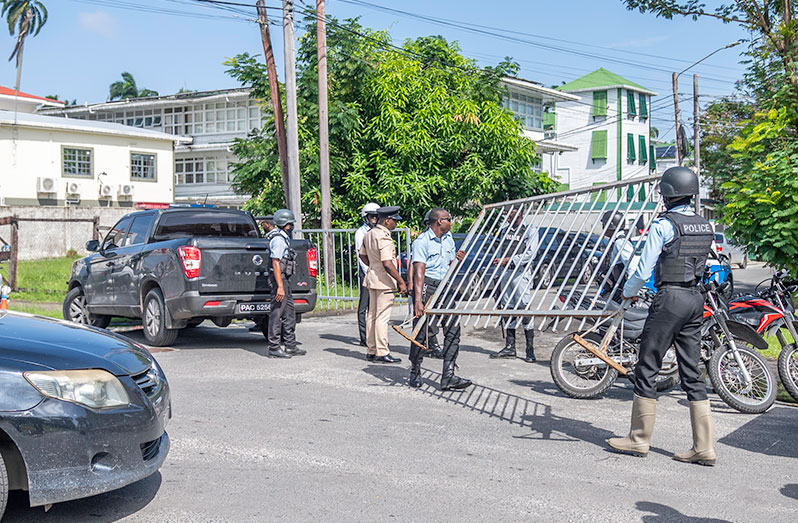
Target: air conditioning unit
<point>125,190</point>
<point>46,185</point>
<point>73,189</point>
<point>106,191</point>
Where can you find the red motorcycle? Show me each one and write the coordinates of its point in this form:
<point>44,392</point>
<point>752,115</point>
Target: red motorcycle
<point>771,311</point>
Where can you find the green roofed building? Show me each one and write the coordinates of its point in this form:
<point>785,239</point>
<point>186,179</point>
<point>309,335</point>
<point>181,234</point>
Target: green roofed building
<point>609,125</point>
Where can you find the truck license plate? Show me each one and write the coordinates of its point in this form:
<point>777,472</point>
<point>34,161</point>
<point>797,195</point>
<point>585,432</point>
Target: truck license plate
<point>254,307</point>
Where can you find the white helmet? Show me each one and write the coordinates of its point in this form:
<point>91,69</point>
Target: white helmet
<point>369,208</point>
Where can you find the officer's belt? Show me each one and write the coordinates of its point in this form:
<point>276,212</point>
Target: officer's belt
<point>431,281</point>
<point>684,284</point>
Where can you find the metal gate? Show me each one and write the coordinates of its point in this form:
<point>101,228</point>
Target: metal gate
<point>554,245</point>
<point>337,283</point>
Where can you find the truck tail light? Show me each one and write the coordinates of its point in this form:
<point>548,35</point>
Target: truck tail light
<point>191,258</point>
<point>719,248</point>
<point>313,265</point>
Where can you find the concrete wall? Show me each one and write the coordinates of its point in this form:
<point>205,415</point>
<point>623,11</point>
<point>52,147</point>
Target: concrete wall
<point>35,153</point>
<point>53,239</point>
<point>575,126</point>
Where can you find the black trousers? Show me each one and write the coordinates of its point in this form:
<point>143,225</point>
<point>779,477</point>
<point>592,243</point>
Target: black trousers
<point>674,318</point>
<point>449,324</point>
<point>362,306</point>
<point>282,318</point>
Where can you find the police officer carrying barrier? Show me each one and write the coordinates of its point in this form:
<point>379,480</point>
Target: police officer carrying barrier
<point>433,252</point>
<point>369,215</point>
<point>431,328</point>
<point>676,249</point>
<point>378,252</point>
<point>282,317</point>
<point>512,290</point>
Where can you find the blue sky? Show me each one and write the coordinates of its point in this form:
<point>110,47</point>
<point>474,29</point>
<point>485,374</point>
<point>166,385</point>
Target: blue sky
<point>86,44</point>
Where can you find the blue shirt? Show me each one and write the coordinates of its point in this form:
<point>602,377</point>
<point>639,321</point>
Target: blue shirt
<point>435,253</point>
<point>660,234</point>
<point>278,245</point>
<point>622,249</point>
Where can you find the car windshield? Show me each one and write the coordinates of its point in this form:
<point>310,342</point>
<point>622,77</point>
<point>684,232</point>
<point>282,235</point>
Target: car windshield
<point>202,223</point>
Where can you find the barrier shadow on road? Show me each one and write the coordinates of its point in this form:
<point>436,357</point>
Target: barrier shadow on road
<point>771,433</point>
<point>790,490</point>
<point>507,407</point>
<point>659,513</point>
<point>102,508</point>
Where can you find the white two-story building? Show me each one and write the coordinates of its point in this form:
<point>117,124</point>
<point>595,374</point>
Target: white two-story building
<point>608,128</point>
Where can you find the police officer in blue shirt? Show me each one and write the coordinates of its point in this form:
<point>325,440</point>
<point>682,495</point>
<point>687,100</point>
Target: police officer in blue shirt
<point>433,252</point>
<point>282,317</point>
<point>676,249</point>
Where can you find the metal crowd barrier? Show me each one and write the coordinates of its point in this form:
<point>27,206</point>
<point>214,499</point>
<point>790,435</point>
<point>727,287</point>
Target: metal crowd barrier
<point>337,282</point>
<point>557,283</point>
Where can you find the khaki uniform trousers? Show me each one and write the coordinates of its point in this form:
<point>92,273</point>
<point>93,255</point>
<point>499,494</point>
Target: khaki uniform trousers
<point>379,314</point>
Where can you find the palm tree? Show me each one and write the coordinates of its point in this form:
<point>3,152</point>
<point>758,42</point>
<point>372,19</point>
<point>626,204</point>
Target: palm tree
<point>26,17</point>
<point>127,88</point>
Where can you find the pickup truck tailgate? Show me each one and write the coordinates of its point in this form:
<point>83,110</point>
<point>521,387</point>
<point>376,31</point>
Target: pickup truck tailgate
<point>233,265</point>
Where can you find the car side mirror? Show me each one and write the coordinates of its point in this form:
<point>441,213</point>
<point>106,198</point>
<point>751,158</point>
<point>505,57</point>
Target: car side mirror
<point>93,245</point>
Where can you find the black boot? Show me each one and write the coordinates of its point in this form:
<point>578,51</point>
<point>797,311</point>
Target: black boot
<point>415,376</point>
<point>530,346</point>
<point>508,351</point>
<point>278,353</point>
<point>295,351</point>
<point>448,379</point>
<point>435,350</point>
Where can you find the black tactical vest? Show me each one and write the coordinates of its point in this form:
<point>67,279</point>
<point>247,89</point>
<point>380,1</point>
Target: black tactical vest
<point>683,259</point>
<point>288,261</point>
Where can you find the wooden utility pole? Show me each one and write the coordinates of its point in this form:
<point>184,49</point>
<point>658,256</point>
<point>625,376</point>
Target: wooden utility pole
<point>696,143</point>
<point>274,92</point>
<point>324,144</point>
<point>291,125</point>
<point>679,143</point>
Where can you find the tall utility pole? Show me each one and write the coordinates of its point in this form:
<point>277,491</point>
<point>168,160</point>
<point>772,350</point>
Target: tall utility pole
<point>274,92</point>
<point>292,134</point>
<point>696,142</point>
<point>678,114</point>
<point>324,143</point>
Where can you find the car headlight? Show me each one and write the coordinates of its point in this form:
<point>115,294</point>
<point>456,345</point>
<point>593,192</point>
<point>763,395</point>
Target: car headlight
<point>93,388</point>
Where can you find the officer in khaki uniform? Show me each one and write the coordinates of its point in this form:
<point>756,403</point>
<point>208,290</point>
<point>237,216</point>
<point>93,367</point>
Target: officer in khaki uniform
<point>378,252</point>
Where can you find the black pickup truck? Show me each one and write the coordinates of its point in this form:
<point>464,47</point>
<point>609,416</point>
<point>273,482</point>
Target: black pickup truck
<point>176,267</point>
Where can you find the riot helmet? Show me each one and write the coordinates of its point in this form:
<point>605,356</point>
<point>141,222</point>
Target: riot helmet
<point>678,182</point>
<point>614,219</point>
<point>283,217</point>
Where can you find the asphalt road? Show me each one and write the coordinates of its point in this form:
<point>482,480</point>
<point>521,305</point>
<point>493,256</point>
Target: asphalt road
<point>331,437</point>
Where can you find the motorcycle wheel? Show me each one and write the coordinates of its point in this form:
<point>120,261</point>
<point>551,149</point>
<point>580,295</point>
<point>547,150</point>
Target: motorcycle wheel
<point>581,382</point>
<point>788,369</point>
<point>727,380</point>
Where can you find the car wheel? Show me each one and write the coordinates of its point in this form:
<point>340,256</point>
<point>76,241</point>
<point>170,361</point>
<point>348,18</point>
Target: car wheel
<point>744,262</point>
<point>3,486</point>
<point>544,275</point>
<point>74,309</point>
<point>155,320</point>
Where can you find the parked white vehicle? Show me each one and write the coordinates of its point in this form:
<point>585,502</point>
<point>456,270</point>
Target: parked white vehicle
<point>733,253</point>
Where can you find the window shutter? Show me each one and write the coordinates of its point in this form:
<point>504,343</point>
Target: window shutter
<point>599,103</point>
<point>549,120</point>
<point>630,147</point>
<point>631,110</point>
<point>598,145</point>
<point>643,149</point>
<point>643,106</point>
<point>652,166</point>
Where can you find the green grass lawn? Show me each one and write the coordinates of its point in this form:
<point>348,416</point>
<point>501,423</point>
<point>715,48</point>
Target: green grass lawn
<point>34,309</point>
<point>41,280</point>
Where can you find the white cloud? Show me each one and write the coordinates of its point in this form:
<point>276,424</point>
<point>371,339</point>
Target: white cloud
<point>636,44</point>
<point>99,22</point>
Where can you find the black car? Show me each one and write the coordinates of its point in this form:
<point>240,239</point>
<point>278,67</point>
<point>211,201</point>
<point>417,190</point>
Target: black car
<point>82,411</point>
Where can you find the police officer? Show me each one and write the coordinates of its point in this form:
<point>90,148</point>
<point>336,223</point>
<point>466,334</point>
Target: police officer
<point>378,252</point>
<point>369,215</point>
<point>513,288</point>
<point>282,318</point>
<point>268,226</point>
<point>433,252</point>
<point>431,328</point>
<point>676,249</point>
<point>621,250</point>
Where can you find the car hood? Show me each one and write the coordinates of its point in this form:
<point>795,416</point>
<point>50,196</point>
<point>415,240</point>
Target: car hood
<point>62,345</point>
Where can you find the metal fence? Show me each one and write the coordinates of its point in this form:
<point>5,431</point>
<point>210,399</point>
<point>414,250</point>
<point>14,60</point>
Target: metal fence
<point>558,280</point>
<point>337,283</point>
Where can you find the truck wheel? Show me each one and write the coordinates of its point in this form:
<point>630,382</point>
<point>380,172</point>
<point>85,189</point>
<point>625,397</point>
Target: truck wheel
<point>3,486</point>
<point>155,320</point>
<point>74,309</point>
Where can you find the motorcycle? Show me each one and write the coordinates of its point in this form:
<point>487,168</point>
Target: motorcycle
<point>738,374</point>
<point>769,311</point>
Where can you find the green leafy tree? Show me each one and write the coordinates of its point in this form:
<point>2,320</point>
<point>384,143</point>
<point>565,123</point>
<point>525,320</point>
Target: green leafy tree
<point>127,88</point>
<point>418,127</point>
<point>755,149</point>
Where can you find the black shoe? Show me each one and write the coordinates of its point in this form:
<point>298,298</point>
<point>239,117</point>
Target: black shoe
<point>508,351</point>
<point>435,351</point>
<point>370,357</point>
<point>455,383</point>
<point>529,334</point>
<point>278,353</point>
<point>386,359</point>
<point>415,378</point>
<point>295,351</point>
